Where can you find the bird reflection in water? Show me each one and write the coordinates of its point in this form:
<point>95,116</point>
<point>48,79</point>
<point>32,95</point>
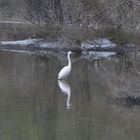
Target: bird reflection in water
<point>66,89</point>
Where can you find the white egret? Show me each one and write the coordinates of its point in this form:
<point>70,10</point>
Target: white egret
<point>65,71</point>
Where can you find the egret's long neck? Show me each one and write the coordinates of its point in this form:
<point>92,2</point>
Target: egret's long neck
<point>69,60</point>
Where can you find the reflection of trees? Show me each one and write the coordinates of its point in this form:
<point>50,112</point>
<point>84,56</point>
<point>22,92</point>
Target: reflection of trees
<point>30,107</point>
<point>97,119</point>
<point>27,83</point>
<point>122,76</point>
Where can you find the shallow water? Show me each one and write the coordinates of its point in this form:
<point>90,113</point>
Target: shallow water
<point>34,105</point>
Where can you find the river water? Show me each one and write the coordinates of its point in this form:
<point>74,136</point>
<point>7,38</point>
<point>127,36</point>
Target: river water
<point>34,105</point>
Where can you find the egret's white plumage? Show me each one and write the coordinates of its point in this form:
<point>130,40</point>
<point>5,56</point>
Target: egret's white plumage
<point>64,73</point>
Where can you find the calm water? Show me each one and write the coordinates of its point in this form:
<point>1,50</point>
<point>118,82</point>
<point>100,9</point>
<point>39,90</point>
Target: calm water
<point>34,105</point>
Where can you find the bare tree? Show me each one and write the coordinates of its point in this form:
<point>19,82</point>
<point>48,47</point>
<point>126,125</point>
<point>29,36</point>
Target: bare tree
<point>119,13</point>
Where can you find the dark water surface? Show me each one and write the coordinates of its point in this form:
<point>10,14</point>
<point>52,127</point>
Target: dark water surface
<point>34,105</point>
